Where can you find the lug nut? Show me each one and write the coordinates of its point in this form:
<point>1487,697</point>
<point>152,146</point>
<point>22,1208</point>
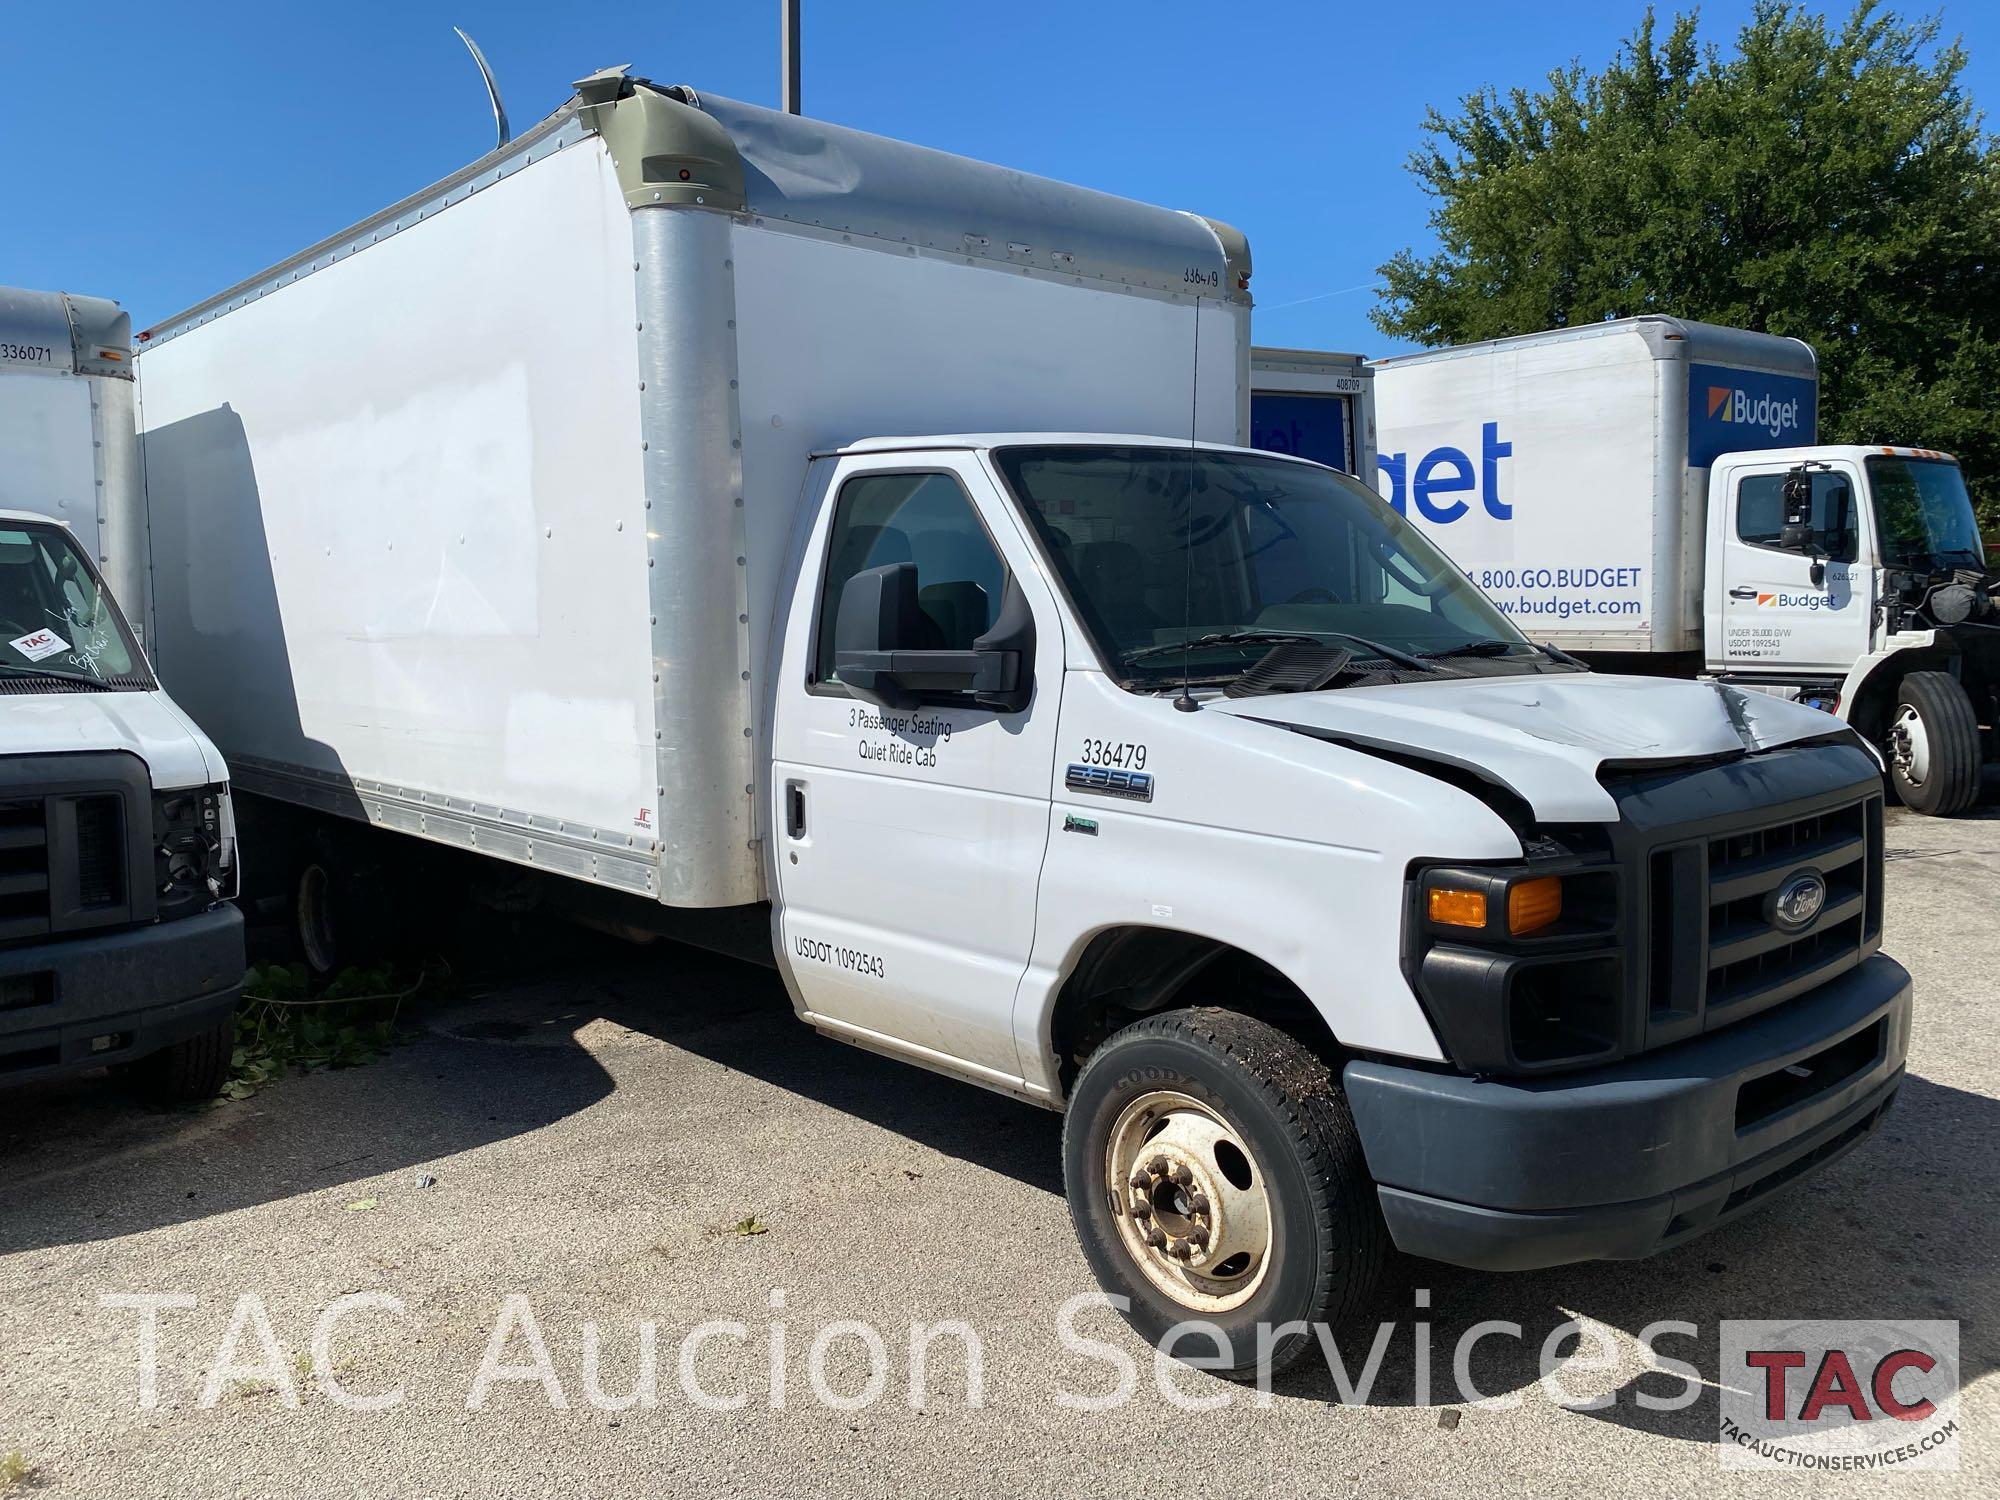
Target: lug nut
<point>1198,1237</point>
<point>1182,1175</point>
<point>1140,1181</point>
<point>1142,1209</point>
<point>1183,1250</point>
<point>1198,1203</point>
<point>1158,1166</point>
<point>1156,1237</point>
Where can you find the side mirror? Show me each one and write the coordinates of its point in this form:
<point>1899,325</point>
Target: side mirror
<point>1796,532</point>
<point>881,651</point>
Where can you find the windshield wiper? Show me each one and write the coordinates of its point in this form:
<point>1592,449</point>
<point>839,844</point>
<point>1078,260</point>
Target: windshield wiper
<point>21,671</point>
<point>1471,648</point>
<point>1282,638</point>
<point>1225,638</point>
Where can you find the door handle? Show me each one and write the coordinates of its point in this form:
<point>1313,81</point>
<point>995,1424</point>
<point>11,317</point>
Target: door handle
<point>795,809</point>
<point>1743,593</point>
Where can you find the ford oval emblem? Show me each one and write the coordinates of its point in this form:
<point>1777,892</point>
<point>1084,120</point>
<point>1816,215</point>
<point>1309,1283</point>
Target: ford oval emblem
<point>1799,900</point>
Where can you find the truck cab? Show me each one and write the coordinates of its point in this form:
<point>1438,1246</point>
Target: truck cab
<point>1189,789</point>
<point>1854,578</point>
<point>117,844</point>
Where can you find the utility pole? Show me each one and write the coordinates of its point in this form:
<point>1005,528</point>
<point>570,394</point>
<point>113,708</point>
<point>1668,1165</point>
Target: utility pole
<point>788,56</point>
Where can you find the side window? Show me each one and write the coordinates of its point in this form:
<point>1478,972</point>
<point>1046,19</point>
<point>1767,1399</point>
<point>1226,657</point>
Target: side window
<point>1760,513</point>
<point>926,519</point>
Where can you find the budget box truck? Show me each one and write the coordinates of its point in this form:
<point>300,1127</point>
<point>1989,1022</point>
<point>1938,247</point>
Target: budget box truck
<point>1647,493</point>
<point>117,848</point>
<point>683,507</point>
<point>1314,404</point>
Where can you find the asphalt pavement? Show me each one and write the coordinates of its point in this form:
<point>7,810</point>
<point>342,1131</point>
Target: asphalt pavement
<point>596,1148</point>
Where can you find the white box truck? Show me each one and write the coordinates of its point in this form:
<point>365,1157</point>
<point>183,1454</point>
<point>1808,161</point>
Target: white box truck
<point>684,502</point>
<point>117,849</point>
<point>1647,494</point>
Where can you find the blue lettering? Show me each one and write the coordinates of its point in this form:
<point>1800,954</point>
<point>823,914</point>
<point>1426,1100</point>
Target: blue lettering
<point>1491,451</point>
<point>1429,482</point>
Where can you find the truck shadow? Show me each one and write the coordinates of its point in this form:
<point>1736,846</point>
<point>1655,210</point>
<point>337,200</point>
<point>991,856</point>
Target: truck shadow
<point>1896,1229</point>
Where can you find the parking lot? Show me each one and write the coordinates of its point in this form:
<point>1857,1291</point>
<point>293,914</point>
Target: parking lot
<point>623,1135</point>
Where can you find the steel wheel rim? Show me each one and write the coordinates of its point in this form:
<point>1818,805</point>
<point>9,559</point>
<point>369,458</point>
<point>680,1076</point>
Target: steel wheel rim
<point>1189,1198</point>
<point>1911,746</point>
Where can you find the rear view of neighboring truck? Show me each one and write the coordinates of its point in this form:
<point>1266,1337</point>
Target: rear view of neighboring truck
<point>1648,494</point>
<point>117,847</point>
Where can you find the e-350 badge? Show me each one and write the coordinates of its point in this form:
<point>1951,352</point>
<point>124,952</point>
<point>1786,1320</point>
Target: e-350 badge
<point>1108,782</point>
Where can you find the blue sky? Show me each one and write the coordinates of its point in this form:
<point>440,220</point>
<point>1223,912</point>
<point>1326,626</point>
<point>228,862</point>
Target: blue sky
<point>158,152</point>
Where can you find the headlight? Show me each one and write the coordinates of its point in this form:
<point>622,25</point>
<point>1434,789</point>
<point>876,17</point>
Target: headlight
<point>1531,902</point>
<point>194,849</point>
<point>1520,968</point>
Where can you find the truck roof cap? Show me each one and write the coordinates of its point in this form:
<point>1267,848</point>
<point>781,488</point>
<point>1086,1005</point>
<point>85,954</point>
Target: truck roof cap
<point>1668,338</point>
<point>676,146</point>
<point>61,333</point>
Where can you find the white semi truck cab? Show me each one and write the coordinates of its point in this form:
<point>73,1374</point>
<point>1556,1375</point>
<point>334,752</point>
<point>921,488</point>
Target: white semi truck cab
<point>1646,493</point>
<point>1854,579</point>
<point>654,549</point>
<point>117,844</point>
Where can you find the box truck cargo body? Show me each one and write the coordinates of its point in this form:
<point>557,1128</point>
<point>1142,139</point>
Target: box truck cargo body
<point>117,844</point>
<point>687,502</point>
<point>1648,492</point>
<point>464,570</point>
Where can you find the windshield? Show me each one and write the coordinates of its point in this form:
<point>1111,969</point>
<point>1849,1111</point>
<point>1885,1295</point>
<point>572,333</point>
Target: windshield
<point>56,620</point>
<point>1160,546</point>
<point>1923,513</point>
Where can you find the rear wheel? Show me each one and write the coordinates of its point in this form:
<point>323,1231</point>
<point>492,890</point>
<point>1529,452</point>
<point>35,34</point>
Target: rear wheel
<point>1933,745</point>
<point>1215,1176</point>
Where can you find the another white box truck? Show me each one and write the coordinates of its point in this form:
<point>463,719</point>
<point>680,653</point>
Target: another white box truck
<point>117,849</point>
<point>629,508</point>
<point>1647,493</point>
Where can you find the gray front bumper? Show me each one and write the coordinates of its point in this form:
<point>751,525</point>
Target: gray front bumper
<point>1619,1162</point>
<point>115,997</point>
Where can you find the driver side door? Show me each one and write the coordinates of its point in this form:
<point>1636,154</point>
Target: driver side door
<point>1775,617</point>
<point>909,841</point>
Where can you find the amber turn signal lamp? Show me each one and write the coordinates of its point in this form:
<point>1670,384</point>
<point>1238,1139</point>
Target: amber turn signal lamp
<point>1450,908</point>
<point>1533,904</point>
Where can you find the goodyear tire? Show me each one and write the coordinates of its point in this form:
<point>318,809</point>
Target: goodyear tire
<point>188,1071</point>
<point>1933,745</point>
<point>1214,1176</point>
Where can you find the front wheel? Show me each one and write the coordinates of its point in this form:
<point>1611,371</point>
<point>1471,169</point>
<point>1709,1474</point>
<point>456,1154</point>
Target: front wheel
<point>1215,1176</point>
<point>188,1071</point>
<point>1933,745</point>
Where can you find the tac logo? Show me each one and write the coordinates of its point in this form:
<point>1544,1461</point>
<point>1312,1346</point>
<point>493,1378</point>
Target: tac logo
<point>1839,1395</point>
<point>1727,403</point>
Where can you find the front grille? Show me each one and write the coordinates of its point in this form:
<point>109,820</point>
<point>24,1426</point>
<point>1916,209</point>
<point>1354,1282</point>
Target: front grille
<point>65,862</point>
<point>1754,962</point>
<point>24,868</point>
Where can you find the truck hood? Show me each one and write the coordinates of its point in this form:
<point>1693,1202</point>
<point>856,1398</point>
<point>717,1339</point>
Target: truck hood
<point>149,725</point>
<point>1545,737</point>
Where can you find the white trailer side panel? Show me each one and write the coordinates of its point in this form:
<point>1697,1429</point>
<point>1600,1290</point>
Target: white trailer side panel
<point>1538,468</point>
<point>840,342</point>
<point>47,450</point>
<point>399,528</point>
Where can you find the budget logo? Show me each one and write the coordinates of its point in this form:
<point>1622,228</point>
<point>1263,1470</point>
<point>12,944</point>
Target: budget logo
<point>1839,1395</point>
<point>1729,404</point>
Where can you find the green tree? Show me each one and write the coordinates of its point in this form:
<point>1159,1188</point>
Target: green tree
<point>1831,183</point>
